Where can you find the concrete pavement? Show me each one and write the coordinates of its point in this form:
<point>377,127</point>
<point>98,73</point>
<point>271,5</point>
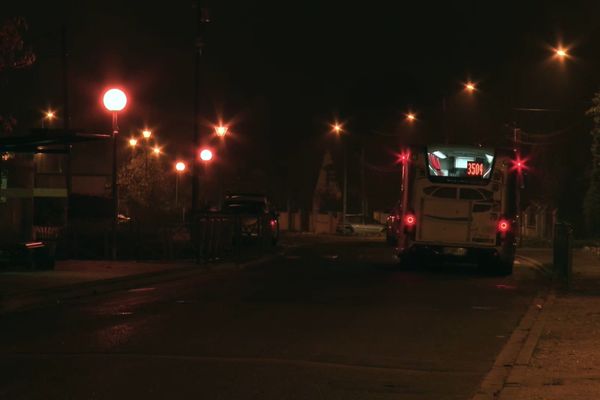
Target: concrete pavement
<point>560,360</point>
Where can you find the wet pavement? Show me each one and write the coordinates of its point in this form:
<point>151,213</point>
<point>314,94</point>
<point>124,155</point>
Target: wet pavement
<point>328,320</point>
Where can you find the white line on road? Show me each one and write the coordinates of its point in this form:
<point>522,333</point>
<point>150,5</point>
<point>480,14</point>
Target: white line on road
<point>144,289</point>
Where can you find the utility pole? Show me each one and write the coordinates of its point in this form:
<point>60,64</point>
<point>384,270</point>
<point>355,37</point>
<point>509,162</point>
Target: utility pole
<point>201,20</point>
<point>363,183</point>
<point>519,179</point>
<point>66,120</point>
<point>345,194</point>
<point>444,123</point>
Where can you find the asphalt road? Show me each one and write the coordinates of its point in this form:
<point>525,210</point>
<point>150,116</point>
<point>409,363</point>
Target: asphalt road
<point>324,321</point>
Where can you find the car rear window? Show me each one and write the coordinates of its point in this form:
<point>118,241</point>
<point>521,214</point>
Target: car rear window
<point>244,207</point>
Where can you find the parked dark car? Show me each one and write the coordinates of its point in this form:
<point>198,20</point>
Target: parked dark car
<point>254,209</point>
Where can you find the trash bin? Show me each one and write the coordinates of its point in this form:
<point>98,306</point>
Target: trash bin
<point>563,252</point>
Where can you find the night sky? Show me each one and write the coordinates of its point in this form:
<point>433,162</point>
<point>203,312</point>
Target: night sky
<point>281,72</point>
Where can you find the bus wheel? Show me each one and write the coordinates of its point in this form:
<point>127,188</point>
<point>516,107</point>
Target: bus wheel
<point>407,262</point>
<point>391,239</point>
<point>503,267</point>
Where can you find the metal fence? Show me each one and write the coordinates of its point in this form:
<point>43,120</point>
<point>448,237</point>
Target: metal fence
<point>210,236</point>
<point>231,235</point>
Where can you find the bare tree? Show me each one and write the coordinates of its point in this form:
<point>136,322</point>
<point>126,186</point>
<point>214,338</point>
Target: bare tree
<point>15,54</point>
<point>591,205</point>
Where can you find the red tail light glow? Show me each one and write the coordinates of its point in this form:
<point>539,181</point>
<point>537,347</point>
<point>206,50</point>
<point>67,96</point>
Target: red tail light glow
<point>410,220</point>
<point>503,226</point>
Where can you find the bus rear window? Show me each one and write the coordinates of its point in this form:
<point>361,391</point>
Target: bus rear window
<point>449,163</point>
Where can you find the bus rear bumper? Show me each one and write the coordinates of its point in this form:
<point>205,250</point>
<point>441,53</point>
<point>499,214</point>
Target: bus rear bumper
<point>457,253</point>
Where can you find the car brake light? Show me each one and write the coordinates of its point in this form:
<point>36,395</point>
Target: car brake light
<point>410,220</point>
<point>503,226</point>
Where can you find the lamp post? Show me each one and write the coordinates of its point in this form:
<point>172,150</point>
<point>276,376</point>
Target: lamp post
<point>179,168</point>
<point>206,156</point>
<point>470,88</point>
<point>221,131</point>
<point>338,130</point>
<point>114,101</point>
<point>146,133</point>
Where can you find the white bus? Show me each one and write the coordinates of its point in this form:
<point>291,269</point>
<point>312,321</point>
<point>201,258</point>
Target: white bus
<point>459,202</point>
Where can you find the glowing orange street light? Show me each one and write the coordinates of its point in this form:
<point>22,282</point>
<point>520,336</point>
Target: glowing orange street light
<point>411,117</point>
<point>114,100</point>
<point>470,87</point>
<point>337,128</point>
<point>49,116</point>
<point>206,155</point>
<point>146,133</point>
<point>561,53</point>
<point>133,142</point>
<point>221,130</point>
<point>156,150</point>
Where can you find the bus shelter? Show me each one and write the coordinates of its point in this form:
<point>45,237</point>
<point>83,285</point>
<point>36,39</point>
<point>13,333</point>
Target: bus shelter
<point>19,189</point>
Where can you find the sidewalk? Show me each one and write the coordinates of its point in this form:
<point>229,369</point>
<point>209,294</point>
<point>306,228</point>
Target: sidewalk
<point>75,278</point>
<point>20,290</point>
<point>563,361</point>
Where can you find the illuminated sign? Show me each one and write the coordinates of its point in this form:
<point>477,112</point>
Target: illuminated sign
<point>474,168</point>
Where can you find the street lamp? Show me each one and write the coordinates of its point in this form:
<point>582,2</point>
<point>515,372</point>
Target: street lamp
<point>221,130</point>
<point>146,133</point>
<point>470,87</point>
<point>179,168</point>
<point>338,129</point>
<point>206,155</point>
<point>114,101</point>
<point>561,53</point>
<point>156,150</point>
<point>49,116</point>
<point>133,142</point>
<point>411,117</point>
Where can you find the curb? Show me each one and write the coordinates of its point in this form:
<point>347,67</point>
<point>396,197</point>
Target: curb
<point>507,373</point>
<point>517,375</point>
<point>543,268</point>
<point>55,295</point>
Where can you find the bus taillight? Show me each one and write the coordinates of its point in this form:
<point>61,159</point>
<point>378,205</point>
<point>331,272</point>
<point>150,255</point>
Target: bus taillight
<point>410,220</point>
<point>503,226</point>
